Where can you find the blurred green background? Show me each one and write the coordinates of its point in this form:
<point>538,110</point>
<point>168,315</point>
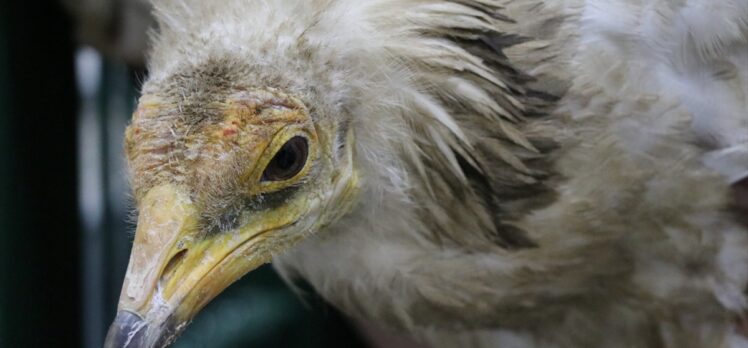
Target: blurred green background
<point>64,230</point>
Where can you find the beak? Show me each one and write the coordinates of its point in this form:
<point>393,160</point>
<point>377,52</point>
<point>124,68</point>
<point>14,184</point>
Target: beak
<point>174,271</point>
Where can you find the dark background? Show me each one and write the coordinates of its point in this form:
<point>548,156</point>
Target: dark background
<point>64,235</point>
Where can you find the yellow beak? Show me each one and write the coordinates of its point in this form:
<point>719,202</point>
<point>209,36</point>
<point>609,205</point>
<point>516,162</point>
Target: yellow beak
<point>175,270</point>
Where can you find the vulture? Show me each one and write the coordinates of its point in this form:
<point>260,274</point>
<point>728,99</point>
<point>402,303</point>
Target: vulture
<point>471,173</point>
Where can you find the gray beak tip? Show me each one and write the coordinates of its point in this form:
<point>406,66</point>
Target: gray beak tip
<point>127,331</point>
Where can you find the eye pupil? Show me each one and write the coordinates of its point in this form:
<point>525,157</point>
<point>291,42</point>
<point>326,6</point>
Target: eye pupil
<point>285,159</point>
<point>288,161</point>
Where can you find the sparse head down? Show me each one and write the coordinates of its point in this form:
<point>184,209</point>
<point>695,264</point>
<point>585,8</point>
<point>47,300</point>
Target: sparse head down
<point>479,171</point>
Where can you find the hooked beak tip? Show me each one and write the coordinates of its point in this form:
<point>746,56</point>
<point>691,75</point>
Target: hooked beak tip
<point>127,331</point>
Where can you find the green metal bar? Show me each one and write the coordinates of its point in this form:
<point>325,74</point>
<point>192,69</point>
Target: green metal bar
<point>5,169</point>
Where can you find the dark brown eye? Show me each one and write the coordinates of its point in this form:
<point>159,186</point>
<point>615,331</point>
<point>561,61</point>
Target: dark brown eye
<point>289,160</point>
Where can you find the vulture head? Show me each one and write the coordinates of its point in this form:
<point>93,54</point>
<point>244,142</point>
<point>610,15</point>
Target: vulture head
<point>432,165</point>
<point>222,186</point>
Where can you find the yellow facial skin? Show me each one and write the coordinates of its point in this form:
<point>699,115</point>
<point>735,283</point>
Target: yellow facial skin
<point>178,262</point>
<point>173,273</point>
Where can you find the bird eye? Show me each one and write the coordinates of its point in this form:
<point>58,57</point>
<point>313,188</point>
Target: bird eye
<point>288,161</point>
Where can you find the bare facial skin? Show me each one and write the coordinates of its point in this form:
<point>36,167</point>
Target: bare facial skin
<point>213,204</point>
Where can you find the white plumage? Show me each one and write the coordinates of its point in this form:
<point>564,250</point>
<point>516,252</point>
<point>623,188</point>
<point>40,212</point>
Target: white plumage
<point>533,173</point>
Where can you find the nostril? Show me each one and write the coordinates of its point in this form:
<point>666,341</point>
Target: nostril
<point>172,265</point>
